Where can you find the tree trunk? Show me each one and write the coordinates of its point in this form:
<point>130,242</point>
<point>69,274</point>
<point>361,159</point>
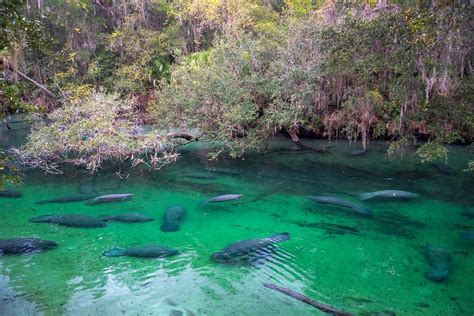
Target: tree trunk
<point>295,139</point>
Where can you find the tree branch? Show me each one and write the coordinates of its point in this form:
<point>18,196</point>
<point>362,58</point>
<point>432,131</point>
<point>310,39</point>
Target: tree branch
<point>49,93</point>
<point>8,66</point>
<point>307,300</point>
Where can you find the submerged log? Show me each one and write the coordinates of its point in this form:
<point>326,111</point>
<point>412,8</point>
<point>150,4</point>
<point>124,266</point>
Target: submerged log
<point>307,300</point>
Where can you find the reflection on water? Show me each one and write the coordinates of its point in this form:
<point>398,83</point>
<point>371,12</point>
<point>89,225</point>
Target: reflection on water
<point>356,263</point>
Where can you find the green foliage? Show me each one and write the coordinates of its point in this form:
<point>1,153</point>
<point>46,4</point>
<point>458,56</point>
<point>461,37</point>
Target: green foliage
<point>16,26</point>
<point>9,173</point>
<point>432,151</point>
<point>90,130</point>
<point>240,71</point>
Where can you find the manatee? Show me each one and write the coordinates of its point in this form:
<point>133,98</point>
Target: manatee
<point>358,152</point>
<point>332,200</point>
<point>109,198</point>
<point>24,245</point>
<point>392,194</point>
<point>147,251</point>
<point>247,251</point>
<point>467,235</point>
<point>440,262</point>
<point>468,213</point>
<point>444,169</point>
<point>87,188</point>
<point>171,219</point>
<point>223,198</point>
<point>127,218</point>
<point>67,199</point>
<point>71,220</point>
<point>200,175</point>
<point>226,171</point>
<point>10,194</point>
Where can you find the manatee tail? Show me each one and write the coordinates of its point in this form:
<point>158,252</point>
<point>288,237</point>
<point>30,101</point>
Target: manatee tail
<point>114,252</point>
<point>366,196</point>
<point>168,227</point>
<point>280,237</point>
<point>42,219</point>
<point>204,202</point>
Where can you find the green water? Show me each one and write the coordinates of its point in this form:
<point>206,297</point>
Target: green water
<point>377,265</point>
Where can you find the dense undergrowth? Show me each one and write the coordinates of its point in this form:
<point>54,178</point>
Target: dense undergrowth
<point>238,72</point>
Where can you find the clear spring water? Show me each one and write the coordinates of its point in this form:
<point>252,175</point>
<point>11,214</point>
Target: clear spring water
<point>368,264</point>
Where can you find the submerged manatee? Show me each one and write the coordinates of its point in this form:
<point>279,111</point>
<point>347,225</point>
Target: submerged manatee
<point>226,171</point>
<point>71,220</point>
<point>468,213</point>
<point>23,245</point>
<point>110,198</point>
<point>392,194</point>
<point>127,218</point>
<point>223,198</point>
<point>245,251</point>
<point>332,200</point>
<point>10,194</point>
<point>87,188</point>
<point>467,235</point>
<point>200,175</point>
<point>67,199</point>
<point>444,169</point>
<point>171,219</point>
<point>440,262</point>
<point>358,152</point>
<point>147,251</point>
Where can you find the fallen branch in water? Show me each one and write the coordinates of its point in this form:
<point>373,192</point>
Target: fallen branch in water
<point>307,300</point>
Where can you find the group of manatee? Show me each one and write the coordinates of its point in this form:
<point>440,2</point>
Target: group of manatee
<point>252,250</point>
<point>242,251</point>
<point>439,260</point>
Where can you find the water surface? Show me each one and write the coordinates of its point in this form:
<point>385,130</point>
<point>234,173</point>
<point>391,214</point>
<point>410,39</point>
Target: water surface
<point>358,264</point>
